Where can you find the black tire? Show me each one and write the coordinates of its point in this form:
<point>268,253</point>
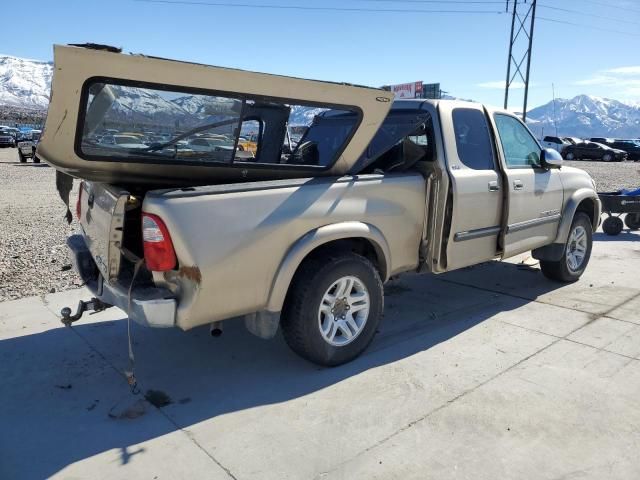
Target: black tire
<point>570,156</point>
<point>632,221</point>
<point>22,158</point>
<point>612,225</point>
<point>607,157</point>
<point>560,270</point>
<point>301,318</point>
<point>35,159</point>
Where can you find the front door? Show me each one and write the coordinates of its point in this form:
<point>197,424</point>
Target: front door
<point>535,194</point>
<point>476,202</point>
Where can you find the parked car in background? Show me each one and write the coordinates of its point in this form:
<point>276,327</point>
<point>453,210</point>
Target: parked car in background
<point>630,146</point>
<point>602,140</point>
<point>123,141</point>
<point>27,146</point>
<point>594,151</point>
<point>556,143</point>
<point>573,140</point>
<point>7,139</point>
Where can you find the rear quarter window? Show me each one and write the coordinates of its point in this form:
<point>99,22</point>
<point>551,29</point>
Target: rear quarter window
<point>473,140</point>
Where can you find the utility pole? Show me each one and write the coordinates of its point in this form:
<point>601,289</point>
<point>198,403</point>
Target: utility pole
<point>523,18</point>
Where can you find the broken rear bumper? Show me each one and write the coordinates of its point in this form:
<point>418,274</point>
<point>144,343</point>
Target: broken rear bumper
<point>150,306</point>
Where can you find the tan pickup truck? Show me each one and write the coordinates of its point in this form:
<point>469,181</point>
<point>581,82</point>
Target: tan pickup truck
<point>303,237</point>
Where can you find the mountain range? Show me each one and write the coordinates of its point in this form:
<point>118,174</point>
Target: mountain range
<point>25,85</point>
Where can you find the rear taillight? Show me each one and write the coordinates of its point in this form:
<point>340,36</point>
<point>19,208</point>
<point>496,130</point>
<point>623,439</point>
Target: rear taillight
<point>158,249</point>
<point>79,202</point>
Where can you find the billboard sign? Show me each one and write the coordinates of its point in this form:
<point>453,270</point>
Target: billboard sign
<point>407,90</point>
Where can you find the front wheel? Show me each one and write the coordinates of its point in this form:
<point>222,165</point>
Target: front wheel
<point>607,157</point>
<point>577,252</point>
<point>333,308</point>
<point>570,156</point>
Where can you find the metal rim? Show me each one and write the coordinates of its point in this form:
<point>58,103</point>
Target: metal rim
<point>606,157</point>
<point>577,248</point>
<point>570,156</point>
<point>343,312</point>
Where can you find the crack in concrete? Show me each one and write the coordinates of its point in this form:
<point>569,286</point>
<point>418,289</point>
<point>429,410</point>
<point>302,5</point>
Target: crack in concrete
<point>593,317</point>
<point>437,409</point>
<point>121,373</point>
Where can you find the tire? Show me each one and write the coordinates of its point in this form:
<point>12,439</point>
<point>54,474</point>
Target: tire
<point>318,279</point>
<point>22,158</point>
<point>575,255</point>
<point>632,221</point>
<point>35,159</point>
<point>612,225</point>
<point>607,157</point>
<point>570,156</point>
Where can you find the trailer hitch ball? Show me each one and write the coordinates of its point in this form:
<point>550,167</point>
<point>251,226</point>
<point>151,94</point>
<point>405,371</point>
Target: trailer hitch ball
<point>93,305</point>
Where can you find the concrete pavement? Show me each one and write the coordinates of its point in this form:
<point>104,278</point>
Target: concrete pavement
<point>489,372</point>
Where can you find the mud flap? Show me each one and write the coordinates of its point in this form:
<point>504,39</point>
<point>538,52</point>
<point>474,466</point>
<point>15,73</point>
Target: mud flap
<point>64,184</point>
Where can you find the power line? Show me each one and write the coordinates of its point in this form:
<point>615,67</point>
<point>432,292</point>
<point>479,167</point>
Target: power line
<point>465,2</point>
<point>609,5</point>
<point>567,10</point>
<point>554,20</point>
<point>311,8</point>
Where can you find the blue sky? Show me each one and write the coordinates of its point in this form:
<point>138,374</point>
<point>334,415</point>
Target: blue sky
<point>466,53</point>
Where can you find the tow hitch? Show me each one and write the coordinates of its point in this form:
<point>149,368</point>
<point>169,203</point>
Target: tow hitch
<point>93,305</point>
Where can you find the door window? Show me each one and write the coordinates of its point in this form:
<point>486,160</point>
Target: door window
<point>521,150</point>
<point>473,141</point>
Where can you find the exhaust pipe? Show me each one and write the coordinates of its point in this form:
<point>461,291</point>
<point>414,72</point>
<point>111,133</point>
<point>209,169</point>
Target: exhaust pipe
<point>215,329</point>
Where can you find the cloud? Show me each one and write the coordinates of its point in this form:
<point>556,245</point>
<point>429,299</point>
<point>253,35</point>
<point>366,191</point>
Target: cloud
<point>633,70</point>
<point>500,85</point>
<point>621,80</point>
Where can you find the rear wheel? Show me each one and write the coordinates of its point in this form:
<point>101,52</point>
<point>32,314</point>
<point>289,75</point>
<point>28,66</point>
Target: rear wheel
<point>577,252</point>
<point>21,157</point>
<point>333,308</point>
<point>612,225</point>
<point>35,159</point>
<point>632,221</point>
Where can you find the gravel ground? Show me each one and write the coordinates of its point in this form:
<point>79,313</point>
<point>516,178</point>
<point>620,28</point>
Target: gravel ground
<point>611,176</point>
<point>33,253</point>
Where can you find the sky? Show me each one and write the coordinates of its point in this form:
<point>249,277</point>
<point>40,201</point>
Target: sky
<point>596,54</point>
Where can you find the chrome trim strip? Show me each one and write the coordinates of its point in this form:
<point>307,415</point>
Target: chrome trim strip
<point>517,227</point>
<point>478,233</point>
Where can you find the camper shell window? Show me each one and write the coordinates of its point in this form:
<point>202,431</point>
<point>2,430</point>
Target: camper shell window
<point>132,122</point>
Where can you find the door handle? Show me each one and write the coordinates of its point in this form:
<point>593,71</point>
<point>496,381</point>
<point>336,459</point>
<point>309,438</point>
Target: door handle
<point>493,186</point>
<point>518,185</point>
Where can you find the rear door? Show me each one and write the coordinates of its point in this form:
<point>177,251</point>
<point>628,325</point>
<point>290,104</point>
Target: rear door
<point>96,92</point>
<point>476,200</point>
<point>534,194</point>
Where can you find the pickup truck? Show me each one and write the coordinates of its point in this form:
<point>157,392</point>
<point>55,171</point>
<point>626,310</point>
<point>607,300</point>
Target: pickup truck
<point>27,147</point>
<point>294,239</point>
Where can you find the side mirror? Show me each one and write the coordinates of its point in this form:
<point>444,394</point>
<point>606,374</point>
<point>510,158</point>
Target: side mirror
<point>550,158</point>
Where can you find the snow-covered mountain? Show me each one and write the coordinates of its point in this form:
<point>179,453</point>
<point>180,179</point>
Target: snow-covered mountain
<point>24,83</point>
<point>586,116</point>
